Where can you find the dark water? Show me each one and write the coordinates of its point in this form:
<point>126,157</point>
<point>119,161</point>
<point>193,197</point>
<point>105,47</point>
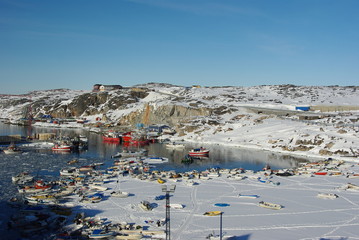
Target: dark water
<point>45,163</point>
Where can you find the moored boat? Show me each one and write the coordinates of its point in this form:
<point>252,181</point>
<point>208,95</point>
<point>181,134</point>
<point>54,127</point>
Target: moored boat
<point>199,152</point>
<point>111,137</point>
<point>62,147</point>
<point>12,149</point>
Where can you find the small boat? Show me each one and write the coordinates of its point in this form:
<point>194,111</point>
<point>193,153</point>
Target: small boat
<point>94,198</point>
<point>176,206</point>
<point>22,178</point>
<point>327,195</point>
<point>100,233</point>
<point>161,180</point>
<point>321,173</point>
<point>154,160</point>
<point>119,194</point>
<point>68,171</point>
<point>352,186</point>
<point>12,149</point>
<point>221,204</point>
<point>199,152</point>
<point>63,147</point>
<point>145,205</point>
<point>129,236</point>
<point>247,196</point>
<point>213,213</point>
<point>270,205</point>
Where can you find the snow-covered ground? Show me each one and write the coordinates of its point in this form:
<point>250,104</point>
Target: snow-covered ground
<point>303,214</point>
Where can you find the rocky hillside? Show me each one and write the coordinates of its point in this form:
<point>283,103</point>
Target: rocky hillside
<point>260,116</point>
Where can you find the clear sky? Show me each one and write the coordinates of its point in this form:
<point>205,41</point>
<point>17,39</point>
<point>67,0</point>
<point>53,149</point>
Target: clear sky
<point>48,44</point>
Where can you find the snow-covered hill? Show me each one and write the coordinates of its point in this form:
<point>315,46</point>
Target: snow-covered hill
<point>259,117</point>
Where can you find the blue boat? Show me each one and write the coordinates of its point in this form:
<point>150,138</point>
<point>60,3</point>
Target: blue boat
<point>222,204</point>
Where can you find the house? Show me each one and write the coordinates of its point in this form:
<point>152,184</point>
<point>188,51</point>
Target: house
<point>103,88</point>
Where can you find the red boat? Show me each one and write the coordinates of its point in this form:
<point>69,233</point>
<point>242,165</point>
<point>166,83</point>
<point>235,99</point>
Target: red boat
<point>126,137</point>
<point>320,173</point>
<point>199,152</point>
<point>111,137</point>
<point>61,147</point>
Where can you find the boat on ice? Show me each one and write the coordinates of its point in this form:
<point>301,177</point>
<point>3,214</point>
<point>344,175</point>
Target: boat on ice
<point>327,195</point>
<point>100,233</point>
<point>176,206</point>
<point>213,213</point>
<point>248,196</point>
<point>119,194</point>
<point>146,205</point>
<point>198,152</point>
<point>270,205</point>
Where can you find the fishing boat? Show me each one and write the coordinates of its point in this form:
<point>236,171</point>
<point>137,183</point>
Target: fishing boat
<point>273,206</point>
<point>199,152</point>
<point>61,147</point>
<point>112,137</point>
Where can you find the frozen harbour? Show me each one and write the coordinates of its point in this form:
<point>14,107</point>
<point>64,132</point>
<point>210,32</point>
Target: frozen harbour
<point>303,216</point>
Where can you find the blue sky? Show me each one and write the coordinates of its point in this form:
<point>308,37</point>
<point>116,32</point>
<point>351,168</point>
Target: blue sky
<point>77,43</point>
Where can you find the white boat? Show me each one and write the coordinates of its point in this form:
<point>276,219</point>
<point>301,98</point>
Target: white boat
<point>248,196</point>
<point>68,171</point>
<point>154,160</point>
<point>145,205</point>
<point>99,234</point>
<point>198,152</point>
<point>176,206</point>
<point>12,149</point>
<point>61,147</point>
<point>22,178</point>
<point>270,205</point>
<point>327,195</point>
<point>119,194</point>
